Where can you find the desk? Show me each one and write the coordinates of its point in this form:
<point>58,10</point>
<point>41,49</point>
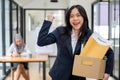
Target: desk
<point>34,58</point>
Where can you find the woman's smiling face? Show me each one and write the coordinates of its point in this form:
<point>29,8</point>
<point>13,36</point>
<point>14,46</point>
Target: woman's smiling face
<point>76,20</point>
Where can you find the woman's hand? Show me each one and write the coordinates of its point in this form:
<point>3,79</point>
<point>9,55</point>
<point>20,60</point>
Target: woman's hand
<point>106,76</point>
<point>16,55</point>
<point>50,18</point>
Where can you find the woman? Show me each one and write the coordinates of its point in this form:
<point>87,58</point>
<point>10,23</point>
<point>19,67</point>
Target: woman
<point>17,49</point>
<point>69,40</point>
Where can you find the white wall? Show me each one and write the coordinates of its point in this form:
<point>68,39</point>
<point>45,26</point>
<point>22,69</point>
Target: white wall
<point>86,4</point>
<point>31,35</point>
<point>37,16</point>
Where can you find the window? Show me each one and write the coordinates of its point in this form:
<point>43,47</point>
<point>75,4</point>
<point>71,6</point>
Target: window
<point>34,20</point>
<point>14,18</point>
<point>101,19</point>
<point>7,24</point>
<point>114,31</point>
<point>106,22</point>
<point>0,30</point>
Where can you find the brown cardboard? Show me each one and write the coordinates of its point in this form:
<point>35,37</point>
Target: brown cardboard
<point>89,67</point>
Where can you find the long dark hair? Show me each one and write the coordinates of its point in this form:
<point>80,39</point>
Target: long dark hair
<point>84,27</point>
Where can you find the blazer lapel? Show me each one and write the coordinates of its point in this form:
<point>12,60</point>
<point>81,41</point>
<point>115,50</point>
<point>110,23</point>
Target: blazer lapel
<point>77,48</point>
<point>69,46</point>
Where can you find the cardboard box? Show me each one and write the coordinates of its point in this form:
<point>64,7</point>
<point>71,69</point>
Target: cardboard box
<point>89,67</point>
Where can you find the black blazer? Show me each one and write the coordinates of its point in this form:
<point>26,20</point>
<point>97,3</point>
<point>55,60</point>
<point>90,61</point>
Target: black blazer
<point>62,68</point>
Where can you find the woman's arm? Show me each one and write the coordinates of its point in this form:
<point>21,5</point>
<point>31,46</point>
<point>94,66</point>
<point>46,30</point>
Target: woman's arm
<point>44,38</point>
<point>109,63</point>
<point>10,50</point>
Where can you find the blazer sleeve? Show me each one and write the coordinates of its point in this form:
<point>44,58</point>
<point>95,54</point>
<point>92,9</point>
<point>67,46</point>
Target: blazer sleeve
<point>45,38</point>
<point>110,62</point>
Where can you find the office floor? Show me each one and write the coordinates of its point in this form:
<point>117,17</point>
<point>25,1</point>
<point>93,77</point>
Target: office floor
<point>36,75</point>
<point>34,72</point>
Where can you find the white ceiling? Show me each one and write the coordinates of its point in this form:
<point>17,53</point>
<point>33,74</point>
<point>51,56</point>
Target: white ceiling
<point>26,2</point>
<point>43,4</point>
<point>23,2</point>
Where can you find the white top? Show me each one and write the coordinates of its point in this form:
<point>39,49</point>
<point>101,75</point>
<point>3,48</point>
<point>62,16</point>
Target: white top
<point>12,50</point>
<point>73,41</point>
